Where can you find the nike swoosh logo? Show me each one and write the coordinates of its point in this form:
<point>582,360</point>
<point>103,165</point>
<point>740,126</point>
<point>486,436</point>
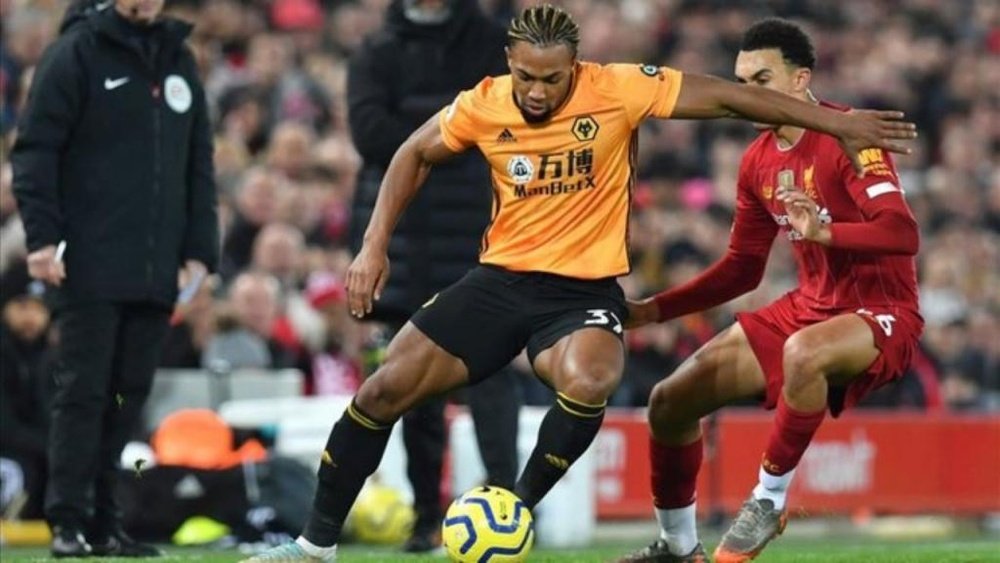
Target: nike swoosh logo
<point>110,84</point>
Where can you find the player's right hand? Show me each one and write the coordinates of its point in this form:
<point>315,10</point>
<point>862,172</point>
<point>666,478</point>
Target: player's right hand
<point>862,129</point>
<point>42,265</point>
<point>365,280</point>
<point>641,313</point>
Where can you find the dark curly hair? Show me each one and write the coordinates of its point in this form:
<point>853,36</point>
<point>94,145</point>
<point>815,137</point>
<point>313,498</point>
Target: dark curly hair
<point>775,33</point>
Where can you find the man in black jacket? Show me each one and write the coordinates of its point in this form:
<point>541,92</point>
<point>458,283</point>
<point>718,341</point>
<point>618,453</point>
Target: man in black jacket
<point>114,158</point>
<point>428,51</point>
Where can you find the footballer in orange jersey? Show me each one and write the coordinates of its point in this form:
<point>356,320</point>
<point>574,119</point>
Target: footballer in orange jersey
<point>560,137</point>
<point>561,186</point>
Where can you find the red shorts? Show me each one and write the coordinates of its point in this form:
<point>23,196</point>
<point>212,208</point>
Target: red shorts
<point>896,335</point>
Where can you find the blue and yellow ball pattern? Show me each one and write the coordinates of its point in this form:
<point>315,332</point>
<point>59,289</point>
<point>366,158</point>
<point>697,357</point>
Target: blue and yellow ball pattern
<point>488,525</point>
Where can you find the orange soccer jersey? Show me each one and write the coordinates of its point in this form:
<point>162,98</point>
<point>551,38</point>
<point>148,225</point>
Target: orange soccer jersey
<point>562,189</point>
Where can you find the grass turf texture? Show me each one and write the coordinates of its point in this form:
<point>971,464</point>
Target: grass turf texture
<point>846,550</point>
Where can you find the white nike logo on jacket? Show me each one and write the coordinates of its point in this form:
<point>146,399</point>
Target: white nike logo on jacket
<point>110,84</point>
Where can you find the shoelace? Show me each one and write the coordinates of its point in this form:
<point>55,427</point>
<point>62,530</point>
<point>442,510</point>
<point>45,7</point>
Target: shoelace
<point>748,520</point>
<point>655,548</point>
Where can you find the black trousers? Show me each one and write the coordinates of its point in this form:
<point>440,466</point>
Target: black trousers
<point>495,406</point>
<point>107,355</point>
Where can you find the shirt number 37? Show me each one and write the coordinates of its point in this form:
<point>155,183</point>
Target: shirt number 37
<point>604,317</point>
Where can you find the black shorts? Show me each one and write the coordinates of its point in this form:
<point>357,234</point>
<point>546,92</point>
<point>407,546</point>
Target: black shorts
<point>491,314</point>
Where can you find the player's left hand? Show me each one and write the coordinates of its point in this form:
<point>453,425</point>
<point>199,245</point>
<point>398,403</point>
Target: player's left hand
<point>641,313</point>
<point>864,128</point>
<point>803,214</point>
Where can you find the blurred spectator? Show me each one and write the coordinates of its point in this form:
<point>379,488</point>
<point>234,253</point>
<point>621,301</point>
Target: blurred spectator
<point>290,148</point>
<point>26,34</point>
<point>243,118</point>
<point>334,368</point>
<point>244,333</point>
<point>277,251</point>
<point>288,92</point>
<point>302,20</point>
<point>13,248</point>
<point>258,198</point>
<point>191,327</point>
<point>25,386</point>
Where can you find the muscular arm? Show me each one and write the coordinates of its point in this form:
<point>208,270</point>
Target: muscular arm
<point>407,171</point>
<point>708,97</point>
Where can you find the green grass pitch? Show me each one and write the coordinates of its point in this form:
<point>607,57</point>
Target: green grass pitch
<point>847,550</point>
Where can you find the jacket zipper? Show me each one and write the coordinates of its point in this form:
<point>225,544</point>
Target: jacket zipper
<point>151,242</point>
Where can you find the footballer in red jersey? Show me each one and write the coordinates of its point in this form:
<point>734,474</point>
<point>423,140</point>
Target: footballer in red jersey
<point>849,327</point>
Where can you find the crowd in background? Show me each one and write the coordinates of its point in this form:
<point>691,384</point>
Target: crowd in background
<point>286,167</point>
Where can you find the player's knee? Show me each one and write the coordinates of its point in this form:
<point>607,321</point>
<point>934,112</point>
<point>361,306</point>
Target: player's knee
<point>591,384</point>
<point>380,399</point>
<point>803,360</point>
<point>665,407</point>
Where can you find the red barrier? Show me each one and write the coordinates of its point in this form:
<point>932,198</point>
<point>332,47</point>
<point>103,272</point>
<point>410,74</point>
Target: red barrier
<point>886,462</point>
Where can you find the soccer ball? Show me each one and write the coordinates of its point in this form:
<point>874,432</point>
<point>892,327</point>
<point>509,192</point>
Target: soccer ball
<point>380,516</point>
<point>488,524</point>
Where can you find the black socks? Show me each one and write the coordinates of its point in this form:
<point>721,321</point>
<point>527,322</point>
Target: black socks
<point>566,432</point>
<point>352,453</point>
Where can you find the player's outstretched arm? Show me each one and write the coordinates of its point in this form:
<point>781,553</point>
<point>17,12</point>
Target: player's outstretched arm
<point>708,97</point>
<point>406,173</point>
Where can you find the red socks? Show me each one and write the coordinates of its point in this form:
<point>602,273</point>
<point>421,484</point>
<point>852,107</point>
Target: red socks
<point>792,432</point>
<point>674,473</point>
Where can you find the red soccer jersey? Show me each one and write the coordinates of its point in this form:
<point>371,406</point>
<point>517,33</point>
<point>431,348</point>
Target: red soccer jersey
<point>831,279</point>
<point>870,260</point>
